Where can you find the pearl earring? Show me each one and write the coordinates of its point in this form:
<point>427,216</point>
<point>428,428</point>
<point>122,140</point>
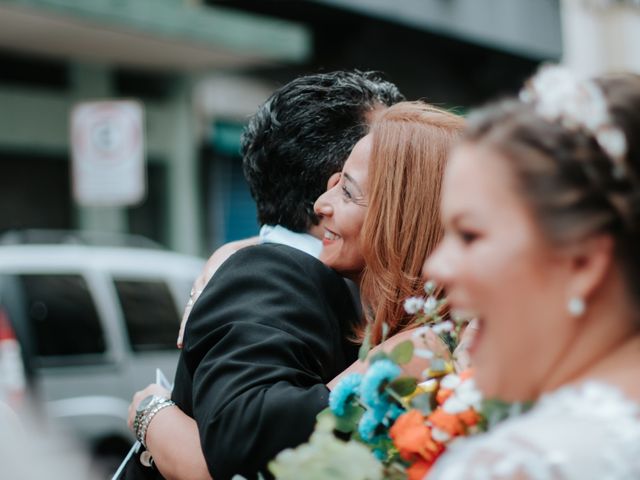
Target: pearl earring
<point>576,306</point>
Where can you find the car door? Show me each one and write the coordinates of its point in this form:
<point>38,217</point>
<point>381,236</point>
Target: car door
<point>150,321</point>
<point>76,354</point>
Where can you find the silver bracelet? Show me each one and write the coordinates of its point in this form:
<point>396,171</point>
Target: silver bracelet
<point>147,416</point>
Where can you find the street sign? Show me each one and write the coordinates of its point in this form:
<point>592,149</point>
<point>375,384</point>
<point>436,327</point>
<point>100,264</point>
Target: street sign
<point>107,145</point>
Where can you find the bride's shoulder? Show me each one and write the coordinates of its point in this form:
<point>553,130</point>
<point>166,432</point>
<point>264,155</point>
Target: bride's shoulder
<point>574,432</point>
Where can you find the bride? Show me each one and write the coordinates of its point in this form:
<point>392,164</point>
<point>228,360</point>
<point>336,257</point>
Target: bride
<point>541,207</point>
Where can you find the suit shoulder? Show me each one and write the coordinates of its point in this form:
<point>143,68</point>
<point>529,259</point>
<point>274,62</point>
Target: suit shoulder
<point>278,257</point>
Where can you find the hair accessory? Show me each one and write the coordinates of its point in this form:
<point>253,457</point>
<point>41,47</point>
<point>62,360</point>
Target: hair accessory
<point>576,307</point>
<point>578,104</point>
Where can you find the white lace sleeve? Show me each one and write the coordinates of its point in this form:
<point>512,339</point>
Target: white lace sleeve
<point>589,432</point>
<point>504,459</point>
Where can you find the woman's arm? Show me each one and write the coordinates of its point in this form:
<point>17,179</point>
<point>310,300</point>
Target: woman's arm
<point>215,260</point>
<point>172,439</point>
<point>415,367</point>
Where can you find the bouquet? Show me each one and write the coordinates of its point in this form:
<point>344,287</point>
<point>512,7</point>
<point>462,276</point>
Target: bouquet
<point>396,426</point>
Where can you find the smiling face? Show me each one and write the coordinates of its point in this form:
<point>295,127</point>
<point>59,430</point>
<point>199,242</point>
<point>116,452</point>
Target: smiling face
<point>496,265</point>
<point>342,210</point>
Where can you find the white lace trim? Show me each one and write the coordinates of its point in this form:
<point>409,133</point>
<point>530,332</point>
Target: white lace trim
<point>589,431</point>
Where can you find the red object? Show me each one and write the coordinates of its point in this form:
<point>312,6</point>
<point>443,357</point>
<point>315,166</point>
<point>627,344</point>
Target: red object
<point>12,375</point>
<point>6,330</point>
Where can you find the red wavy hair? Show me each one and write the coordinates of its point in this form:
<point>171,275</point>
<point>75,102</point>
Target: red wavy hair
<point>410,144</point>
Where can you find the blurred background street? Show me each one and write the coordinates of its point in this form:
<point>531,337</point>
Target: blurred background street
<point>120,124</point>
<point>200,68</point>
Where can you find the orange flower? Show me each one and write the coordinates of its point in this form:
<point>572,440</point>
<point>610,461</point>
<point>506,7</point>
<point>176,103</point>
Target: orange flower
<point>418,470</point>
<point>469,417</point>
<point>446,422</point>
<point>443,394</point>
<point>413,438</point>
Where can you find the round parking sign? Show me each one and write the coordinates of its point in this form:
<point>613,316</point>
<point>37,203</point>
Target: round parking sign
<point>107,143</point>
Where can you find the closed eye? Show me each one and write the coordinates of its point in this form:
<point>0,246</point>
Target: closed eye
<point>346,192</point>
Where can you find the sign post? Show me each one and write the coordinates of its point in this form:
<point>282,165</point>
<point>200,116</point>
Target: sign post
<point>107,144</point>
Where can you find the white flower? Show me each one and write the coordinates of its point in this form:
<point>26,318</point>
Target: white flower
<point>428,385</point>
<point>559,95</point>
<point>429,287</point>
<point>423,353</point>
<point>451,381</point>
<point>464,396</point>
<point>440,435</point>
<point>413,305</point>
<point>430,305</point>
<point>468,394</point>
<point>612,141</point>
<point>549,89</point>
<point>446,326</point>
<point>419,332</point>
<point>454,405</point>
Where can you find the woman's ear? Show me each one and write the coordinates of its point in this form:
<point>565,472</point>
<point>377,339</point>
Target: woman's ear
<point>333,180</point>
<point>590,264</point>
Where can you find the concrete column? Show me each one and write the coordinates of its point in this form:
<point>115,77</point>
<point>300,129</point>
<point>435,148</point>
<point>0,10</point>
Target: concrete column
<point>184,208</point>
<point>601,36</point>
<point>93,82</point>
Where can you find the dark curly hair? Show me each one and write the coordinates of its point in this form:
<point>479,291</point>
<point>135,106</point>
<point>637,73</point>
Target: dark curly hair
<point>303,134</point>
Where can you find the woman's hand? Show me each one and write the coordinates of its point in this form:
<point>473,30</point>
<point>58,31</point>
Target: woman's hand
<point>152,389</point>
<point>172,439</point>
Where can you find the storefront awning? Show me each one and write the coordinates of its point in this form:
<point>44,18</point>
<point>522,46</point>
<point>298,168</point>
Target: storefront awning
<point>154,34</point>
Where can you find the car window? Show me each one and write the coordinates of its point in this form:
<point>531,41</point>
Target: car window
<point>150,314</point>
<point>62,315</point>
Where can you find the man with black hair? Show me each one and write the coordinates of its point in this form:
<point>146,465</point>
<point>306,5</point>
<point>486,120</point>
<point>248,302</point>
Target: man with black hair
<point>301,136</point>
<point>271,328</point>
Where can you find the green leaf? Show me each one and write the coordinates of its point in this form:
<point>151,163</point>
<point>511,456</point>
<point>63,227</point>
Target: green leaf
<point>378,356</point>
<point>404,386</point>
<point>385,331</point>
<point>345,424</point>
<point>449,340</point>
<point>438,366</point>
<point>403,352</point>
<point>422,402</point>
<point>366,344</point>
<point>349,421</point>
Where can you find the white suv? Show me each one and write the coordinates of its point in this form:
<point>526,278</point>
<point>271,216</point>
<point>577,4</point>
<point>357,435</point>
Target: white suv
<point>94,323</point>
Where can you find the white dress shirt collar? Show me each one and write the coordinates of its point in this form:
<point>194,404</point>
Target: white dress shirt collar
<point>302,241</point>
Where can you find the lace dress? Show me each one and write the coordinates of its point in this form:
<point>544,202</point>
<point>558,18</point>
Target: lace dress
<point>584,432</point>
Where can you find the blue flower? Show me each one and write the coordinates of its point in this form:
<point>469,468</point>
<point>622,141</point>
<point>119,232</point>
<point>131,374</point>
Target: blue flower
<point>343,393</point>
<point>368,424</point>
<point>379,372</point>
<point>379,454</point>
<point>395,411</point>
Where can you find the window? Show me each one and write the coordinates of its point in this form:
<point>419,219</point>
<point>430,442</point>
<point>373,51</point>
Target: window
<point>41,200</point>
<point>150,314</point>
<point>33,71</point>
<point>62,315</point>
<point>149,218</point>
<point>229,209</point>
<point>155,86</point>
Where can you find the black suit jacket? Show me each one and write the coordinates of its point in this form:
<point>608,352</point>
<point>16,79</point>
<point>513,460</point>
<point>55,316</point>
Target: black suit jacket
<point>266,335</point>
